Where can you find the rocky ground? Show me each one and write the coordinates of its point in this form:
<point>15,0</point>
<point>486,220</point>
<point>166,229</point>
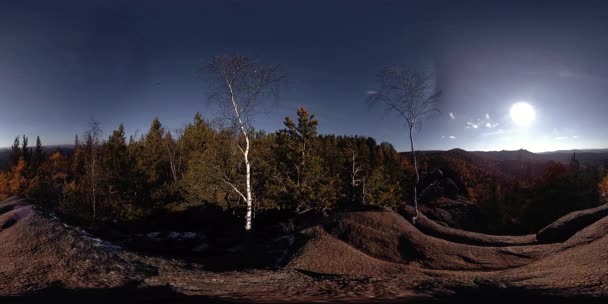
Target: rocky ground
<point>359,256</point>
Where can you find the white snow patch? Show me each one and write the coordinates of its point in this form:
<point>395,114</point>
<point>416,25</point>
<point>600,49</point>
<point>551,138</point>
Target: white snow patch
<point>153,235</point>
<point>201,248</point>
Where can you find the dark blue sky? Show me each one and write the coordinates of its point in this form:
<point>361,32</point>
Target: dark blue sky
<point>62,62</point>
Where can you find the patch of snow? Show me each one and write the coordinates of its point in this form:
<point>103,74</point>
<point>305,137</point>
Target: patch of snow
<point>189,235</point>
<point>233,249</point>
<point>201,248</point>
<point>173,235</point>
<point>153,235</point>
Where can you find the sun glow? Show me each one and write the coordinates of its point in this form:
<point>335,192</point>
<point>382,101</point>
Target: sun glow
<point>522,114</point>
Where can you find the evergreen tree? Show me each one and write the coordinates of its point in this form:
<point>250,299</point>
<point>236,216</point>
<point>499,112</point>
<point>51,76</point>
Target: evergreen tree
<point>116,163</point>
<point>301,164</point>
<point>38,155</point>
<point>153,161</point>
<point>15,152</point>
<point>26,154</point>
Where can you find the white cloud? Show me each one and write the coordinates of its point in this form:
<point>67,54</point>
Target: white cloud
<point>473,125</point>
<point>452,117</point>
<point>575,137</point>
<point>452,137</point>
<point>485,121</point>
<point>497,132</point>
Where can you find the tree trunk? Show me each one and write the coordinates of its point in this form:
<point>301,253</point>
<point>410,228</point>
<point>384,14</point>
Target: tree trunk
<point>416,180</point>
<point>248,186</point>
<point>93,188</point>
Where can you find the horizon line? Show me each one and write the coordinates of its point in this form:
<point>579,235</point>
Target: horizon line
<point>589,150</point>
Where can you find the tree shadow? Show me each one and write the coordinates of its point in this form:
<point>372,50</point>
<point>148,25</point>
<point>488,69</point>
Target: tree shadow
<point>130,294</point>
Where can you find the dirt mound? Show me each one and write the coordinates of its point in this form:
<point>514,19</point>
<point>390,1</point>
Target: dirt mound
<point>456,213</point>
<point>569,224</point>
<point>352,256</point>
<point>579,267</point>
<point>323,253</point>
<point>37,251</point>
<point>431,228</point>
<point>387,236</point>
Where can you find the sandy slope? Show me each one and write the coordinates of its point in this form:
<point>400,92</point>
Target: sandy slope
<point>355,256</point>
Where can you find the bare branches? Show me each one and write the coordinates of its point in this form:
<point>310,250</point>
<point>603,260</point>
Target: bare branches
<point>412,95</point>
<point>406,91</point>
<point>239,82</point>
<point>235,188</point>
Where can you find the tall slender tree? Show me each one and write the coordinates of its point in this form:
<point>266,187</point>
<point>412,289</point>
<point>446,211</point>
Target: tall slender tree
<point>411,94</point>
<point>38,155</point>
<point>92,144</point>
<point>15,152</point>
<point>239,82</point>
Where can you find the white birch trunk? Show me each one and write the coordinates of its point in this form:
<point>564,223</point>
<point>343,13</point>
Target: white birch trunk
<point>417,178</point>
<point>248,185</point>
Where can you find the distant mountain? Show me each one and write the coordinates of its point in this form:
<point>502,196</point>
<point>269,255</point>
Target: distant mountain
<point>589,157</point>
<point>504,165</point>
<point>517,155</point>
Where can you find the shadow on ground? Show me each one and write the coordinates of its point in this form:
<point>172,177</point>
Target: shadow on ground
<point>130,294</point>
<point>165,294</point>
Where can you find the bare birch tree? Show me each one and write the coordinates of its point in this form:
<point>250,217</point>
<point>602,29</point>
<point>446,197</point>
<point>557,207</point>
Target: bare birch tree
<point>174,153</point>
<point>239,82</point>
<point>412,95</point>
<point>92,144</point>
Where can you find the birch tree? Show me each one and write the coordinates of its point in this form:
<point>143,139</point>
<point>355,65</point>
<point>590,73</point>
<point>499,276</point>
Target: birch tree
<point>92,144</point>
<point>412,95</point>
<point>239,82</point>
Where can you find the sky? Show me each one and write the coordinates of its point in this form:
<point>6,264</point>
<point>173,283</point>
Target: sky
<point>63,63</point>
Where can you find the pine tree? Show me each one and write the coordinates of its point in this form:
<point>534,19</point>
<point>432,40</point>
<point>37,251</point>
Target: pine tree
<point>15,152</point>
<point>26,154</point>
<point>38,155</point>
<point>301,164</point>
<point>116,163</point>
<point>153,161</point>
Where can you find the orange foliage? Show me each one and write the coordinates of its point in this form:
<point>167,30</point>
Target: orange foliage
<point>18,183</point>
<point>4,186</point>
<point>603,189</point>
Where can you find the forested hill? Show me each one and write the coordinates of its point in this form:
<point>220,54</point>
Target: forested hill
<point>5,153</point>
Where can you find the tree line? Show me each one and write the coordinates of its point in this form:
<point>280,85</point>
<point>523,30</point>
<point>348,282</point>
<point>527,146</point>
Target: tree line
<point>120,179</point>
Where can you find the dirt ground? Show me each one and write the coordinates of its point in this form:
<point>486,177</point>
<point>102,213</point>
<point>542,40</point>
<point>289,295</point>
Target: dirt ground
<point>360,257</point>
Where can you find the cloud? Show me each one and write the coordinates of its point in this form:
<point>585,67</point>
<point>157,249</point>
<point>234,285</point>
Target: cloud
<point>371,92</point>
<point>497,132</point>
<point>452,117</point>
<point>452,137</point>
<point>486,121</point>
<point>575,137</point>
<point>471,124</point>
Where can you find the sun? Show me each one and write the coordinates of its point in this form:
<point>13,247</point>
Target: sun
<point>522,114</point>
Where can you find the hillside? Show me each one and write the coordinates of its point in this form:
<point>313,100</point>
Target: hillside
<point>367,255</point>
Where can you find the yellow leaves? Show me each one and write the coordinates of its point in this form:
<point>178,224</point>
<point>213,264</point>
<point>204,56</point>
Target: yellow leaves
<point>18,182</point>
<point>4,186</point>
<point>602,187</point>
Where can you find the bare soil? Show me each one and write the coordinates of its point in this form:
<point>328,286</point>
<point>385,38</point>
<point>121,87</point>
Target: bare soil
<point>362,256</point>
